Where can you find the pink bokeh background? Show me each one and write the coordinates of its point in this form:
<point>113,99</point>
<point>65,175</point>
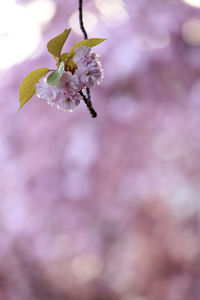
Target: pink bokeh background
<point>105,208</point>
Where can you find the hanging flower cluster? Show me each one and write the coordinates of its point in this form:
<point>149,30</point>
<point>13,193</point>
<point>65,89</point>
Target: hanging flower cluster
<point>86,73</point>
<point>76,70</point>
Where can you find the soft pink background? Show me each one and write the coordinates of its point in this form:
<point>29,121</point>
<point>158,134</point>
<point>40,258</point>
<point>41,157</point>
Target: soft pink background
<point>105,208</point>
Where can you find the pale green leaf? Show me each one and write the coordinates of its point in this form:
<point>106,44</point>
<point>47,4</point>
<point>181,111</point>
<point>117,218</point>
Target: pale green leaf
<point>55,45</point>
<point>88,43</point>
<point>54,77</point>
<point>27,88</point>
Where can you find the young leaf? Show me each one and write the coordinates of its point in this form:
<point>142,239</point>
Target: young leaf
<point>27,88</point>
<point>71,63</point>
<point>64,57</point>
<point>88,43</point>
<point>54,77</point>
<point>55,45</point>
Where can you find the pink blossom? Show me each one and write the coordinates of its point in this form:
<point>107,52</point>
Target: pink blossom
<point>69,81</point>
<point>83,55</point>
<point>89,69</point>
<point>68,103</point>
<point>90,75</point>
<point>45,91</point>
<point>66,95</point>
<point>63,96</point>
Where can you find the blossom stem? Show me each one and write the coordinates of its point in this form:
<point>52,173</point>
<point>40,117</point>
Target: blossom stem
<point>89,105</point>
<point>81,19</point>
<point>85,37</point>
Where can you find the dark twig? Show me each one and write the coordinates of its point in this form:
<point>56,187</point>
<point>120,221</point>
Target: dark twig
<point>81,19</point>
<point>89,105</point>
<point>93,112</point>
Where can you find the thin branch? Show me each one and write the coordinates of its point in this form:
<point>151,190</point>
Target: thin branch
<point>89,105</point>
<point>94,114</point>
<point>81,19</point>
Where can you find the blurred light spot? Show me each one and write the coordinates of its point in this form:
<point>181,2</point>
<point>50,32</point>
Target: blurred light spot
<point>61,246</point>
<point>5,149</point>
<point>184,246</point>
<point>190,31</point>
<point>194,94</point>
<point>147,42</point>
<point>123,280</point>
<point>133,297</point>
<point>110,8</point>
<point>169,146</point>
<point>76,184</point>
<point>123,109</point>
<point>80,153</point>
<point>114,12</point>
<point>183,199</point>
<point>16,214</point>
<point>41,11</point>
<point>81,150</point>
<point>130,60</point>
<point>182,196</point>
<point>126,190</point>
<point>90,21</point>
<point>20,33</point>
<point>195,3</point>
<point>86,267</point>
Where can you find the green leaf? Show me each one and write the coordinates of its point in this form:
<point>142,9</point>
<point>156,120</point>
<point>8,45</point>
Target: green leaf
<point>55,45</point>
<point>88,43</point>
<point>27,88</point>
<point>54,77</point>
<point>71,63</point>
<point>64,57</point>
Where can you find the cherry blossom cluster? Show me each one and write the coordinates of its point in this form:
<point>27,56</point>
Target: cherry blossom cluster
<point>86,74</point>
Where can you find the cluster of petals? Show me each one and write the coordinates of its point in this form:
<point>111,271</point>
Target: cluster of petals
<point>89,69</point>
<point>66,95</point>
